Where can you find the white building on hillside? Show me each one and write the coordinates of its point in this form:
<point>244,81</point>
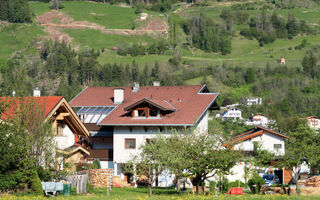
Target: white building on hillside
<point>251,101</point>
<point>314,122</point>
<point>258,120</point>
<point>232,113</point>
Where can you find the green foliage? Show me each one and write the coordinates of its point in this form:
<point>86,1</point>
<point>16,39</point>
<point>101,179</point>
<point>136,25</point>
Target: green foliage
<point>207,35</point>
<point>35,183</point>
<point>157,47</point>
<point>97,163</point>
<point>255,183</point>
<point>44,174</point>
<point>15,11</point>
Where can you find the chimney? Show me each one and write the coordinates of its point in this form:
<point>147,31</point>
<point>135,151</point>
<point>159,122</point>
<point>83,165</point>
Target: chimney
<point>135,87</point>
<point>156,83</point>
<point>36,92</point>
<point>118,95</point>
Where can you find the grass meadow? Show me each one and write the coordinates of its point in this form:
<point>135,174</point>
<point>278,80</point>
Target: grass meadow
<point>18,37</point>
<point>158,194</point>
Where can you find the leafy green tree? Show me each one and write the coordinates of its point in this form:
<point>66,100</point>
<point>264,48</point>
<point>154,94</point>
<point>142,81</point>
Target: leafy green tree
<point>148,163</point>
<point>301,148</point>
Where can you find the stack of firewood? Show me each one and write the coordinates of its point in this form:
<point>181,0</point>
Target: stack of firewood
<point>100,178</point>
<point>313,181</point>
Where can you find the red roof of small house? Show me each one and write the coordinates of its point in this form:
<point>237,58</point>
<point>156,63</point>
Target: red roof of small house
<point>254,132</point>
<point>311,117</point>
<point>48,103</point>
<point>189,103</point>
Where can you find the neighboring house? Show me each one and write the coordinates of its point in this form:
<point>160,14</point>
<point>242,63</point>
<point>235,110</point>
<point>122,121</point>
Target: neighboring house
<point>250,140</point>
<point>314,122</point>
<point>121,119</point>
<point>282,61</point>
<point>68,130</point>
<point>232,113</point>
<point>251,101</point>
<point>258,120</point>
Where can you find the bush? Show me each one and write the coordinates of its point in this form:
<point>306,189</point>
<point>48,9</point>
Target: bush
<point>255,183</point>
<point>97,163</point>
<point>223,186</point>
<point>212,186</point>
<point>10,181</point>
<point>35,183</point>
<point>44,174</point>
<point>235,184</point>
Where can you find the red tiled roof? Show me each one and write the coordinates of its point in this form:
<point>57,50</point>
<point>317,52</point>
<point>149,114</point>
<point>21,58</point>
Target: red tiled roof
<point>188,102</point>
<point>257,131</point>
<point>47,102</point>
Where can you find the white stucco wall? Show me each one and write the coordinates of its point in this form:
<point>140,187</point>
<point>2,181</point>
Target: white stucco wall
<point>66,140</point>
<point>202,126</point>
<point>266,141</point>
<point>122,155</point>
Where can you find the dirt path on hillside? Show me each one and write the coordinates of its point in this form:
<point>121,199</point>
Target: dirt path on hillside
<point>55,21</point>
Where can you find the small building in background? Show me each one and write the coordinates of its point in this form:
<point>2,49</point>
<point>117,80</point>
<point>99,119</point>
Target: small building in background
<point>232,113</point>
<point>258,120</point>
<point>282,61</point>
<point>251,101</point>
<point>314,122</point>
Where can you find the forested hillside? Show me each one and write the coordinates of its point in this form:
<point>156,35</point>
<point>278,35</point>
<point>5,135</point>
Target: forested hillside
<point>234,47</point>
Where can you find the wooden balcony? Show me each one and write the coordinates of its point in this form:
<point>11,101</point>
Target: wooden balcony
<point>101,154</point>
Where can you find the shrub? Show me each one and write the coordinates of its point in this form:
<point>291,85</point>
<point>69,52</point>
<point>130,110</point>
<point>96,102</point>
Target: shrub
<point>212,186</point>
<point>44,174</point>
<point>97,163</point>
<point>223,186</point>
<point>35,183</point>
<point>10,181</point>
<point>255,183</point>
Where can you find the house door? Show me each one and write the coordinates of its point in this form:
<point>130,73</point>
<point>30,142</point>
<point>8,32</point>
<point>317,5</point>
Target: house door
<point>128,177</point>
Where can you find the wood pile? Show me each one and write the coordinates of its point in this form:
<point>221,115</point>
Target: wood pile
<point>119,182</point>
<point>100,178</point>
<point>313,181</point>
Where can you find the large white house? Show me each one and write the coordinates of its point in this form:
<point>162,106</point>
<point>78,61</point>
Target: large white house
<point>249,141</point>
<point>69,132</point>
<point>121,119</point>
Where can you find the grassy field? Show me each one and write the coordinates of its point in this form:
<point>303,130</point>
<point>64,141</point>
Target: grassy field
<point>39,8</point>
<point>158,194</point>
<point>98,40</point>
<point>18,37</point>
<point>107,15</point>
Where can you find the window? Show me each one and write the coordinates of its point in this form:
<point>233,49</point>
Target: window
<point>148,140</point>
<point>130,143</point>
<point>277,146</point>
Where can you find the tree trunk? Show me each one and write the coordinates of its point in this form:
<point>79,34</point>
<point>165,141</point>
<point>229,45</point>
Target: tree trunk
<point>297,185</point>
<point>178,184</point>
<point>150,189</point>
<point>199,188</point>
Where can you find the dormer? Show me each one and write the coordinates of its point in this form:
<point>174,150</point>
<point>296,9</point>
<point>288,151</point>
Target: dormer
<point>149,109</point>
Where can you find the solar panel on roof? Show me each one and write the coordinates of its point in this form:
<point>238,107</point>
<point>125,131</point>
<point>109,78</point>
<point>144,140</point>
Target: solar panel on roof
<point>95,110</point>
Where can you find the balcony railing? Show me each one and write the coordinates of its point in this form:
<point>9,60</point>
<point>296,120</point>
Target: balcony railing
<point>101,154</point>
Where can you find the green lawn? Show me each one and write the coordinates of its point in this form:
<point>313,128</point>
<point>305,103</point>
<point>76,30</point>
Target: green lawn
<point>158,194</point>
<point>39,8</point>
<point>98,40</point>
<point>18,37</point>
<point>110,16</point>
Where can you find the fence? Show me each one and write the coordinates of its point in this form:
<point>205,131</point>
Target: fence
<point>80,182</point>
